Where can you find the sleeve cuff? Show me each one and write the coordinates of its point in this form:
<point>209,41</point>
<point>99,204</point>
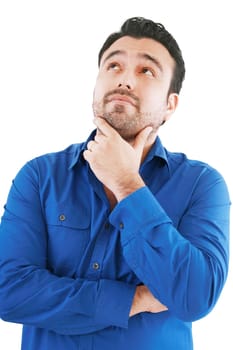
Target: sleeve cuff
<point>137,211</point>
<point>114,302</point>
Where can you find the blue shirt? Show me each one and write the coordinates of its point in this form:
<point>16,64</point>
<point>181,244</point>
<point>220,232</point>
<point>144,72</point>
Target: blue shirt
<point>69,265</point>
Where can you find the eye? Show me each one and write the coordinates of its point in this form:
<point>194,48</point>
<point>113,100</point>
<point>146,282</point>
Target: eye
<point>148,71</point>
<point>113,66</point>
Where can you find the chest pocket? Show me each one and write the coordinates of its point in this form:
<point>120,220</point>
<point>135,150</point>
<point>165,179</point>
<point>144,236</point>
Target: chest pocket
<point>68,236</point>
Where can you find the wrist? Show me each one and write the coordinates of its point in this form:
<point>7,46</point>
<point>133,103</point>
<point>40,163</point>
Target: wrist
<point>127,185</point>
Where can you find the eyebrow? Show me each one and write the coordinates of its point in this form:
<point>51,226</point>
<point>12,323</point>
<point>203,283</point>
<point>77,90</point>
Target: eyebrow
<point>113,53</point>
<point>140,55</point>
<point>152,59</point>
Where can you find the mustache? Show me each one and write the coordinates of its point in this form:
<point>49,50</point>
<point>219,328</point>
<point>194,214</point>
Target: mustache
<point>121,91</point>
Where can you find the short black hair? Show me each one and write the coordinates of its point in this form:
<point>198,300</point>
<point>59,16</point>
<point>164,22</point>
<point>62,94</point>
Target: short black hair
<point>140,27</point>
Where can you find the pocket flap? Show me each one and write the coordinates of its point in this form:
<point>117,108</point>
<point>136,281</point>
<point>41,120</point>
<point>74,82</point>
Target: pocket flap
<point>69,216</point>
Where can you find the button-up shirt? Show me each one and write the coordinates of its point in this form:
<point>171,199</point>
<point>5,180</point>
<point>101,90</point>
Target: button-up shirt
<point>69,265</point>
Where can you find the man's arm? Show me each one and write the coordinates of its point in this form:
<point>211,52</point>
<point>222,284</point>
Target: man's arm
<point>184,267</point>
<point>30,292</point>
<point>185,270</point>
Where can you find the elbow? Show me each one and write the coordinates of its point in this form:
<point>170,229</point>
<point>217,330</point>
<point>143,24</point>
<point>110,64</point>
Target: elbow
<point>198,305</point>
<point>192,314</point>
<point>201,293</point>
<point>11,294</point>
<point>7,304</point>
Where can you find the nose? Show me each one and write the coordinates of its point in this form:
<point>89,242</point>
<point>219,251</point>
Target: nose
<point>120,85</point>
<point>126,80</point>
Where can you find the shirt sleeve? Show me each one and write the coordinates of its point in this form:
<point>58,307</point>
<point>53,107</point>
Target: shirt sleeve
<point>185,265</point>
<point>30,293</point>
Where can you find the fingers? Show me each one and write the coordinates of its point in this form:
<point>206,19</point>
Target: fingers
<point>103,131</point>
<point>99,137</point>
<point>141,139</point>
<point>91,145</point>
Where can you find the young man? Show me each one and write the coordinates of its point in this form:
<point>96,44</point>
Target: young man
<point>116,242</point>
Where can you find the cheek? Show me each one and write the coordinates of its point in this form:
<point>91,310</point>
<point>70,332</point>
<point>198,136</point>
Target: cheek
<point>98,95</point>
<point>104,83</point>
<point>148,101</point>
<point>153,98</point>
<point>100,90</point>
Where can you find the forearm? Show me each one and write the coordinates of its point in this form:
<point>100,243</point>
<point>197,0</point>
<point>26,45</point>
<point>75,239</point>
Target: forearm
<point>128,185</point>
<point>31,294</point>
<point>36,297</point>
<point>187,278</point>
<point>184,286</point>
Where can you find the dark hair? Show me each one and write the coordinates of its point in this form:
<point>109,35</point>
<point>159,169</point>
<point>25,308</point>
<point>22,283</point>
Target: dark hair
<point>139,27</point>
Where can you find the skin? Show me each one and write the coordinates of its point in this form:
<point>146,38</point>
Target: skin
<point>130,102</point>
<point>139,71</point>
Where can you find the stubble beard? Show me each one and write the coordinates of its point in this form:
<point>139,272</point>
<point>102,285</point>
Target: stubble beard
<point>127,123</point>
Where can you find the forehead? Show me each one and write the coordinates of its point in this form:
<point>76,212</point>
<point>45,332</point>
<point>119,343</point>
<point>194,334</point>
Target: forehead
<point>135,47</point>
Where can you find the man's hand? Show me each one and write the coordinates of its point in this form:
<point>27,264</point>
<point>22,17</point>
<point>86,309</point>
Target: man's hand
<point>144,301</point>
<point>114,161</point>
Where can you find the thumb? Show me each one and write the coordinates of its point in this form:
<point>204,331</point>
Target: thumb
<point>141,139</point>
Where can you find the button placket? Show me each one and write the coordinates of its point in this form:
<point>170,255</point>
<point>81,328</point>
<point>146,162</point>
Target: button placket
<point>99,251</point>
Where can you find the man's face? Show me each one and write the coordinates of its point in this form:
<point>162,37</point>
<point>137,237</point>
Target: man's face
<point>131,90</point>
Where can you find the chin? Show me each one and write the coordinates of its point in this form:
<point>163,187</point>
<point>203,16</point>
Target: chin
<point>121,123</point>
<point>126,134</point>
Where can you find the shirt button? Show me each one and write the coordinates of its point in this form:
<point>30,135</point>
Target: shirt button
<point>95,266</point>
<point>62,217</point>
<point>121,225</point>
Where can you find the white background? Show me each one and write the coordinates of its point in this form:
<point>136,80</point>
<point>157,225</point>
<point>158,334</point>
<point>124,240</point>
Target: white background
<point>48,66</point>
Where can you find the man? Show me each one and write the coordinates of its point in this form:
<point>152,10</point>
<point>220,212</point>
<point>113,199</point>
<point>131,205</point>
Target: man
<point>116,243</point>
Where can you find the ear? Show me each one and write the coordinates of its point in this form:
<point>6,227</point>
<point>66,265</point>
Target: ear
<point>172,104</point>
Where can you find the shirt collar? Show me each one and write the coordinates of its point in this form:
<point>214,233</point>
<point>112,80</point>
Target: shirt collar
<point>80,147</point>
<point>157,150</point>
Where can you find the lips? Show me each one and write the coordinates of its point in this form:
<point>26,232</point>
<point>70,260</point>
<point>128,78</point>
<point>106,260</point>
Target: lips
<point>121,98</point>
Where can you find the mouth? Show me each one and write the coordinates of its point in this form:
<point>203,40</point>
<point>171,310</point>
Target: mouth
<point>122,99</point>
